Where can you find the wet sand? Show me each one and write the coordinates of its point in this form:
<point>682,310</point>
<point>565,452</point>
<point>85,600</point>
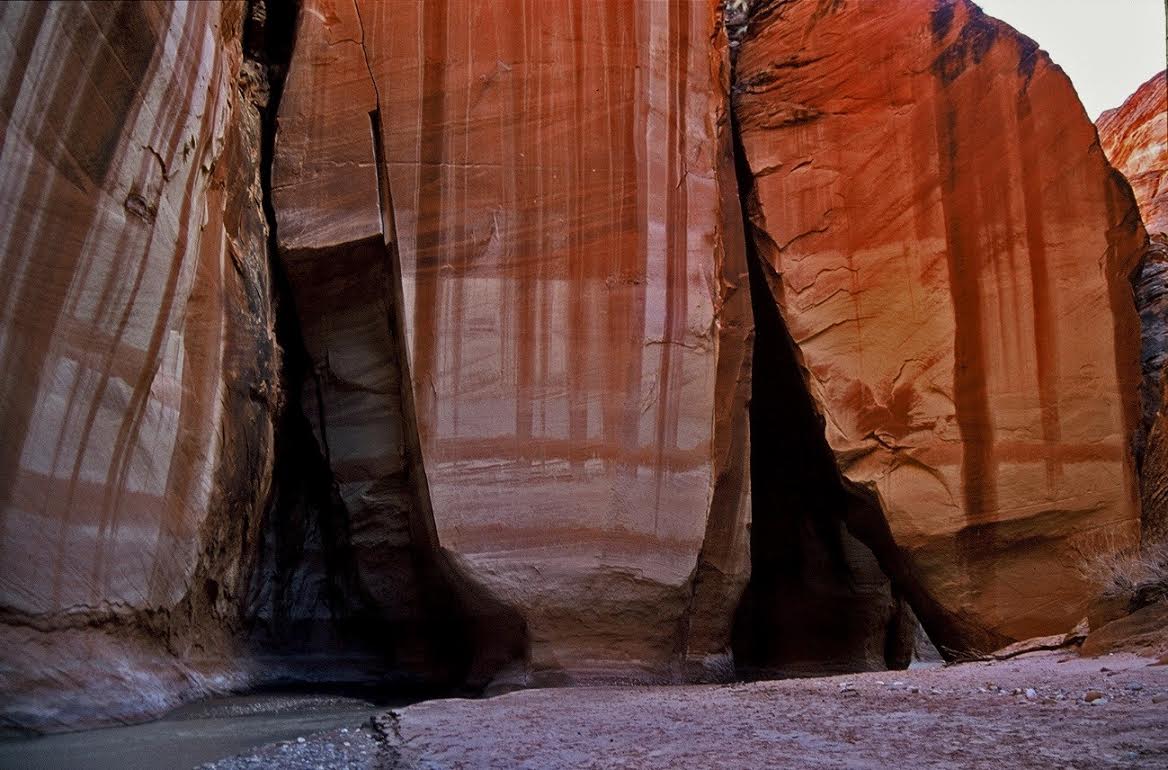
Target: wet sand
<point>192,735</point>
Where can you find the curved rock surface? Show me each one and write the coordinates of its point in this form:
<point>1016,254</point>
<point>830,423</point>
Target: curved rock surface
<point>951,254</point>
<point>525,343</point>
<point>138,358</point>
<point>1135,138</point>
<point>568,308</point>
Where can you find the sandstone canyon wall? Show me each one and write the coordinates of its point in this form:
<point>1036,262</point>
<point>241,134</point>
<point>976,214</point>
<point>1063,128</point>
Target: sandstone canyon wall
<point>1135,138</point>
<point>139,361</point>
<point>951,254</point>
<point>527,342</point>
<point>504,224</point>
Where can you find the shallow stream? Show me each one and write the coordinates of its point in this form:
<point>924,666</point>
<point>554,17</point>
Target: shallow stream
<point>193,734</point>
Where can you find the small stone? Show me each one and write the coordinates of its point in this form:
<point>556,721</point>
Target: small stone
<point>1099,702</point>
<point>1031,693</point>
<point>1160,699</point>
<point>1016,691</point>
<point>897,685</point>
<point>1134,686</point>
<point>913,688</point>
<point>347,744</point>
<point>1092,695</point>
<point>300,739</point>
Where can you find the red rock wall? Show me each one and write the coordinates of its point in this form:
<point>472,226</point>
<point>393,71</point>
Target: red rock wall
<point>951,255</point>
<point>572,315</point>
<point>138,360</point>
<point>1135,138</point>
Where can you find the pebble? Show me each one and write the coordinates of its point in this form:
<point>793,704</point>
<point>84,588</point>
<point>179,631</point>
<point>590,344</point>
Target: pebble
<point>1031,693</point>
<point>1160,699</point>
<point>1093,695</point>
<point>1134,686</point>
<point>1099,702</point>
<point>300,739</point>
<point>913,688</point>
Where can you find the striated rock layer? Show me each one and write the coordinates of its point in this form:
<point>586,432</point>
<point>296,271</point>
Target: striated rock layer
<point>951,254</point>
<point>138,375</point>
<point>1135,138</point>
<point>503,225</point>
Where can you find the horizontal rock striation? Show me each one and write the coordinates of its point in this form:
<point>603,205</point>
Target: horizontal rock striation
<point>951,254</point>
<point>1135,138</point>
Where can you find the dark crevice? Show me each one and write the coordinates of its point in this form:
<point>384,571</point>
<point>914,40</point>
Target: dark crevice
<point>306,603</point>
<point>472,634</point>
<point>829,583</point>
<point>828,586</point>
<point>353,587</point>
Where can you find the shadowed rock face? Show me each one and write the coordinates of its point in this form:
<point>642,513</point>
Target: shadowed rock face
<point>138,381</point>
<point>951,254</point>
<point>522,343</point>
<point>571,311</point>
<point>1135,138</point>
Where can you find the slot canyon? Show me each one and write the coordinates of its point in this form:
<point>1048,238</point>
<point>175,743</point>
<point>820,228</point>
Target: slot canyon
<point>594,376</point>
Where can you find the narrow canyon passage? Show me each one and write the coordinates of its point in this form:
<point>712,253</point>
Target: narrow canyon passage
<point>463,347</point>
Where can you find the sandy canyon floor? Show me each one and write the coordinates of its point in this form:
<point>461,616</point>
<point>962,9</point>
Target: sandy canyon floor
<point>1043,710</point>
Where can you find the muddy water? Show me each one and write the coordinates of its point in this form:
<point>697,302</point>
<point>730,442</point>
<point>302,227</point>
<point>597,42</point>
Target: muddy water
<point>193,734</point>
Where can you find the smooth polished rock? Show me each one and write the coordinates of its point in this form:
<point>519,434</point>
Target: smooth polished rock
<point>951,254</point>
<point>137,358</point>
<point>526,203</point>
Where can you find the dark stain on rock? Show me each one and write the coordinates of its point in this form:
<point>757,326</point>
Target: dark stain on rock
<point>941,19</point>
<point>975,40</point>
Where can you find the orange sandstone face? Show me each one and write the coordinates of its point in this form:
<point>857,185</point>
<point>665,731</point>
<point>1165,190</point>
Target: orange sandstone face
<point>1135,138</point>
<point>951,256</point>
<point>552,170</point>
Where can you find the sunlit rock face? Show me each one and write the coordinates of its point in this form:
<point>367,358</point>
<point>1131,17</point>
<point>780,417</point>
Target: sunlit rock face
<point>137,353</point>
<point>569,315</point>
<point>951,254</point>
<point>1135,138</point>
